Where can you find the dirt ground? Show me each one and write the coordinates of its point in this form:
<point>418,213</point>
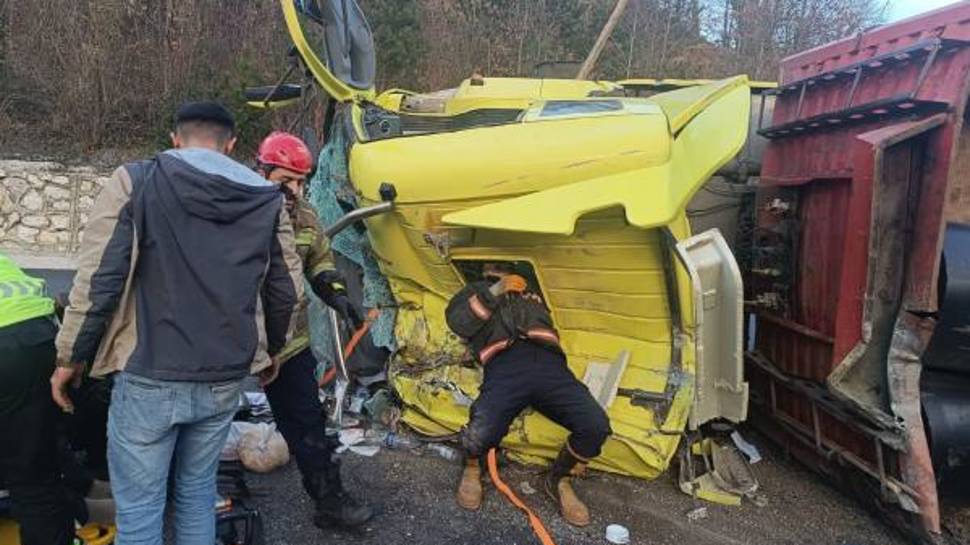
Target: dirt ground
<point>415,494</point>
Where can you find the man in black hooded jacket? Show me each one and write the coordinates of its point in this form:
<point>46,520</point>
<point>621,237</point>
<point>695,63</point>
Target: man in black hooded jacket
<point>187,282</point>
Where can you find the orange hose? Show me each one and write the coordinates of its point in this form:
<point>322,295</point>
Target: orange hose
<point>534,521</point>
<point>351,345</point>
<point>328,376</point>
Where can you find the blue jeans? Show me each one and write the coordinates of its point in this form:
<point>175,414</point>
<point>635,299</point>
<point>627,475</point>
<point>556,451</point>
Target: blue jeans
<point>154,425</point>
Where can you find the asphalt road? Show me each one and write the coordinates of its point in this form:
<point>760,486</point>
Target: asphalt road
<point>415,493</point>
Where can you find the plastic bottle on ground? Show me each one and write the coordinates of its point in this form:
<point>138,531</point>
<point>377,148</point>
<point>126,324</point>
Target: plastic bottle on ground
<point>399,442</point>
<point>446,452</point>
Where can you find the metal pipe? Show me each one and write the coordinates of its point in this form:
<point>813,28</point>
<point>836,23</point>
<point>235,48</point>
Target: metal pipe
<point>356,215</point>
<point>342,381</point>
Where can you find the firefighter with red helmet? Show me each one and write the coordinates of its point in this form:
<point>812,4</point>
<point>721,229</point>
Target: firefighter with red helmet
<point>290,385</point>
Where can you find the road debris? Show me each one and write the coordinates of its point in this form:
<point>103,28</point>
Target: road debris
<point>365,450</point>
<point>727,477</point>
<point>397,441</point>
<point>747,448</point>
<point>697,513</point>
<point>617,534</point>
<point>445,452</point>
<point>382,409</point>
<point>262,448</point>
<point>760,500</point>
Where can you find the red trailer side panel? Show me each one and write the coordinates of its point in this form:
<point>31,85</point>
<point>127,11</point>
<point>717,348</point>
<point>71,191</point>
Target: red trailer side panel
<point>855,182</point>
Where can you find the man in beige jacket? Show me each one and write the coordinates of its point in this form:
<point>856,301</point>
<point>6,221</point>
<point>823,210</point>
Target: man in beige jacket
<point>187,276</point>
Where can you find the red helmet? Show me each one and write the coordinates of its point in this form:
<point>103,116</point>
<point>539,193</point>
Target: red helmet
<point>282,149</point>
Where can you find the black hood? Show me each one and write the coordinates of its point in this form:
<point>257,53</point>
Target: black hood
<point>210,185</point>
<point>207,231</point>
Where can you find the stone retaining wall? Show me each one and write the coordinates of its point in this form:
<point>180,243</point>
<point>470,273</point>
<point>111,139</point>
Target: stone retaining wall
<point>44,206</point>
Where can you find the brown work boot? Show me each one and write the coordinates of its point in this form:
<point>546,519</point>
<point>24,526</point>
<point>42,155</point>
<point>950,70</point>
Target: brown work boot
<point>570,506</point>
<point>558,485</point>
<point>470,488</point>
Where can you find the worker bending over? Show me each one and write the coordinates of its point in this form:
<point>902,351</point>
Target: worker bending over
<point>291,386</point>
<point>510,331</point>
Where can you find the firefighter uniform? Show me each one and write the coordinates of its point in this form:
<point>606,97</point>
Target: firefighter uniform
<point>293,396</point>
<point>318,268</point>
<point>29,462</point>
<point>512,336</point>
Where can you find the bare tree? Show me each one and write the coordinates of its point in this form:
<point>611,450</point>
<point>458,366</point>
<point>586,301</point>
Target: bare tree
<point>107,72</point>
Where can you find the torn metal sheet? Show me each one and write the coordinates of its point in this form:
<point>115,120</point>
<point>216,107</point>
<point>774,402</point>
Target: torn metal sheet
<point>726,478</point>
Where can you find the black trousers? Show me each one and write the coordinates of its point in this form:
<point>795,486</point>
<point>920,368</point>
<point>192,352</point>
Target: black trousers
<point>87,428</point>
<point>526,375</point>
<point>299,415</point>
<point>29,452</point>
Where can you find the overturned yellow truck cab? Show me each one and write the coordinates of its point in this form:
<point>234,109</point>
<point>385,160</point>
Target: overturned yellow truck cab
<point>580,186</point>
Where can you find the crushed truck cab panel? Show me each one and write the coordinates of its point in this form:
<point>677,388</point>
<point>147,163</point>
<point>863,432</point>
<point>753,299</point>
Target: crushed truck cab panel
<point>595,203</point>
<point>608,292</point>
<point>652,195</point>
<point>583,186</point>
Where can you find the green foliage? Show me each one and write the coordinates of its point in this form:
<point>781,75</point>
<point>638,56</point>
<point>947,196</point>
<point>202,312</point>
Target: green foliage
<point>396,25</point>
<point>111,72</point>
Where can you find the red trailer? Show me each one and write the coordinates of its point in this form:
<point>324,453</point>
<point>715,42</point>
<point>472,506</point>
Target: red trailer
<point>859,281</point>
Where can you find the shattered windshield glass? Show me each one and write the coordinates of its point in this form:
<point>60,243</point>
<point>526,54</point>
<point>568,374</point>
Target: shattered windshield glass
<point>556,108</point>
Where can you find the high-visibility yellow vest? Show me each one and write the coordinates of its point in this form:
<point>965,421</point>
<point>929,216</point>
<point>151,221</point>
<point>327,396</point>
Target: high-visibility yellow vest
<point>22,297</point>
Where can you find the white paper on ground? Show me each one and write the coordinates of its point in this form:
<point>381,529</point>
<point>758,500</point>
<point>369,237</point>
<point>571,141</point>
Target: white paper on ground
<point>351,436</point>
<point>365,450</point>
<point>747,448</point>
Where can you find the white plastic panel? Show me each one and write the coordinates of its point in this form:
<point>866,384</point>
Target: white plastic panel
<point>718,295</point>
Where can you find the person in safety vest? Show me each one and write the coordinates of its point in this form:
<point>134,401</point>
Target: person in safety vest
<point>290,386</point>
<point>29,463</point>
<point>510,331</point>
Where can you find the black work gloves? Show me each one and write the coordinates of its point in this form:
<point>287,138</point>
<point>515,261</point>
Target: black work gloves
<point>328,287</point>
<point>341,303</point>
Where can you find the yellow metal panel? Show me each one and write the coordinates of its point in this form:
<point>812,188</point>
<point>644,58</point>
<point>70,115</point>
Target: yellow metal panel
<point>674,82</point>
<point>274,105</point>
<point>650,196</point>
<point>604,299</point>
<point>508,160</point>
<point>532,88</point>
<point>683,104</point>
<point>391,99</point>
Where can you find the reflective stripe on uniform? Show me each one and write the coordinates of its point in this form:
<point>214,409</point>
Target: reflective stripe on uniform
<point>542,333</point>
<point>22,288</point>
<point>486,353</point>
<point>479,308</point>
<point>305,237</point>
<point>299,343</point>
<point>22,297</point>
